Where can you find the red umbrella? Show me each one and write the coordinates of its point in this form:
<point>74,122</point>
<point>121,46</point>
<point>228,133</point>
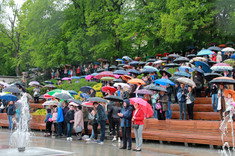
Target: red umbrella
<point>166,54</point>
<point>160,55</point>
<point>47,96</point>
<point>104,74</point>
<point>87,104</point>
<point>111,89</point>
<point>146,107</point>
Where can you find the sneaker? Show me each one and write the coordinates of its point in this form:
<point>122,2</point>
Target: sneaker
<point>119,140</point>
<point>68,139</point>
<point>100,142</point>
<point>114,139</point>
<point>88,139</point>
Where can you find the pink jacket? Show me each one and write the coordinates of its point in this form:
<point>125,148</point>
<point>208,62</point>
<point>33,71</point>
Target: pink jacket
<point>54,117</point>
<point>78,119</point>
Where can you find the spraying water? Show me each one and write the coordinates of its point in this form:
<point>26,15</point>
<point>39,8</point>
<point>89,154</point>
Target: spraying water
<point>21,137</point>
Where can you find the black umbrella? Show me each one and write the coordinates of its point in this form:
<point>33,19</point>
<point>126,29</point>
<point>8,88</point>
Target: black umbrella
<point>190,56</point>
<point>229,43</point>
<point>155,88</point>
<point>181,59</point>
<point>117,80</point>
<point>214,48</point>
<point>211,76</point>
<point>76,101</point>
<point>12,89</point>
<point>225,80</point>
<point>86,89</point>
<point>172,65</point>
<point>121,65</point>
<point>100,70</point>
<point>96,99</point>
<point>174,78</point>
<point>114,98</point>
<point>57,78</point>
<point>133,71</point>
<point>63,96</point>
<point>133,63</point>
<point>142,63</point>
<point>121,72</point>
<point>211,63</point>
<point>173,55</point>
<point>151,60</point>
<point>164,71</point>
<point>164,58</point>
<point>48,82</point>
<point>113,67</point>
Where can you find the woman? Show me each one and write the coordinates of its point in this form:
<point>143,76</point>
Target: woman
<point>125,94</point>
<point>164,75</point>
<point>54,120</point>
<point>115,121</point>
<point>78,122</point>
<point>221,101</point>
<point>190,102</point>
<point>93,122</point>
<point>154,102</point>
<point>11,111</point>
<point>181,96</point>
<point>126,115</point>
<point>198,79</point>
<point>163,100</point>
<point>138,124</point>
<point>214,97</point>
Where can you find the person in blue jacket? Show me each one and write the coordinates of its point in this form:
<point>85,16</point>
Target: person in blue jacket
<point>60,120</point>
<point>126,115</point>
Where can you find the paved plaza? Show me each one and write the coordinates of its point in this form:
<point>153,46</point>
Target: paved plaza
<point>49,146</point>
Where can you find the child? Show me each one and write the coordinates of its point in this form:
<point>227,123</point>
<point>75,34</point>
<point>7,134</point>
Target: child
<point>54,120</point>
<point>48,123</point>
<point>69,117</point>
<point>229,100</point>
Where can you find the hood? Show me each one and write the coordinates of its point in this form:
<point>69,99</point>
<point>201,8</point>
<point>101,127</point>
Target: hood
<point>127,102</point>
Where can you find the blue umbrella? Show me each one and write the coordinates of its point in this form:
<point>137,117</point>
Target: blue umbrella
<point>83,76</point>
<point>182,68</point>
<point>233,56</point>
<point>86,89</point>
<point>164,82</point>
<point>146,71</point>
<point>133,71</point>
<point>214,48</point>
<point>133,63</point>
<point>97,63</point>
<point>205,66</point>
<point>126,58</point>
<point>75,77</point>
<point>72,92</point>
<point>9,97</point>
<point>204,52</point>
<point>152,68</point>
<point>121,72</point>
<point>84,95</point>
<point>119,60</point>
<point>199,70</point>
<point>94,74</point>
<point>184,74</point>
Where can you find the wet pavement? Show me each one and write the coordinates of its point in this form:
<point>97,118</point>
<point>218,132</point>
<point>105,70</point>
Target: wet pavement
<point>51,146</point>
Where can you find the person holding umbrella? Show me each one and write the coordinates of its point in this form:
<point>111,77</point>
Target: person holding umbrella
<point>11,111</point>
<point>181,96</point>
<point>36,94</point>
<point>163,100</point>
<point>126,115</point>
<point>190,102</point>
<point>198,79</point>
<point>221,100</point>
<point>154,98</point>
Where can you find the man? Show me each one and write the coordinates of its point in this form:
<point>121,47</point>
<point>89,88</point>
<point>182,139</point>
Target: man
<point>65,110</point>
<point>101,118</point>
<point>60,120</point>
<point>181,95</point>
<point>11,111</point>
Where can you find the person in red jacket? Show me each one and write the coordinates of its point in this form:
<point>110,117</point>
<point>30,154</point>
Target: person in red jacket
<point>138,119</point>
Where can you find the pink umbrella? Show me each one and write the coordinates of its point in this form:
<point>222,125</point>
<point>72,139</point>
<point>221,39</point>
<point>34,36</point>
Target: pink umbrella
<point>88,77</point>
<point>66,78</point>
<point>117,76</point>
<point>222,64</point>
<point>146,107</point>
<point>87,104</point>
<point>47,96</point>
<point>104,74</point>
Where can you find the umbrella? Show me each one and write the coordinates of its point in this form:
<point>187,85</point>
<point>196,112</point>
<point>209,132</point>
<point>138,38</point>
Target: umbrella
<point>198,70</point>
<point>63,96</point>
<point>221,67</point>
<point>233,56</point>
<point>174,78</point>
<point>184,74</point>
<point>114,98</point>
<point>49,86</point>
<point>228,49</point>
<point>87,104</point>
<point>89,77</point>
<point>173,56</point>
<point>66,78</point>
<point>142,63</point>
<point>4,84</point>
<point>204,52</point>
<point>117,81</point>
<point>94,74</point>
<point>136,81</point>
<point>186,81</point>
<point>8,97</point>
<point>138,58</point>
<point>181,59</point>
<point>225,80</point>
<point>58,91</point>
<point>222,45</point>
<point>126,77</point>
<point>121,84</point>
<point>160,55</point>
<point>145,106</point>
<point>151,60</point>
<point>210,76</point>
<point>164,58</point>
<point>200,59</point>
<point>104,74</point>
<point>34,83</point>
<point>155,88</point>
<point>230,62</point>
<point>205,66</point>
<point>12,89</point>
<point>159,62</point>
<point>214,48</point>
<point>113,67</point>
<point>120,72</point>
<point>111,89</point>
<point>119,60</point>
<point>229,91</point>
<point>153,69</point>
<point>107,78</point>
<point>164,82</point>
<point>86,89</point>
<point>133,71</point>
<point>211,63</point>
<point>97,63</point>
<point>50,103</point>
<point>183,68</point>
<point>75,101</point>
<point>190,56</point>
<point>73,104</point>
<point>75,77</point>
<point>144,91</point>
<point>229,43</point>
<point>172,65</point>
<point>97,99</point>
<point>126,58</point>
<point>72,92</point>
<point>100,70</point>
<point>57,78</point>
<point>164,71</point>
<point>84,95</point>
<point>121,65</point>
<point>133,63</point>
<point>47,96</point>
<point>48,82</point>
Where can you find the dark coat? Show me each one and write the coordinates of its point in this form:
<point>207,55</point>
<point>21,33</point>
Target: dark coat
<point>11,110</point>
<point>127,115</point>
<point>69,116</point>
<point>163,100</point>
<point>101,114</point>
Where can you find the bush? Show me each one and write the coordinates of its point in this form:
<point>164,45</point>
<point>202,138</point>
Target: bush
<point>40,112</point>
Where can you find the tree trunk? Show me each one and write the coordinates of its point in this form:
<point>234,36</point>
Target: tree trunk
<point>17,70</point>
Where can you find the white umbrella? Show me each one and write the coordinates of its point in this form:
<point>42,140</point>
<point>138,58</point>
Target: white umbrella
<point>4,84</point>
<point>34,83</point>
<point>122,85</point>
<point>186,81</point>
<point>50,103</point>
<point>159,61</point>
<point>228,49</point>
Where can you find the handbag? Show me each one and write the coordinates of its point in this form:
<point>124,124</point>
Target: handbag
<point>78,129</point>
<point>158,106</point>
<point>135,126</point>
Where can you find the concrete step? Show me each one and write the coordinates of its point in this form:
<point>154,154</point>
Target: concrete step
<point>199,115</point>
<point>197,107</point>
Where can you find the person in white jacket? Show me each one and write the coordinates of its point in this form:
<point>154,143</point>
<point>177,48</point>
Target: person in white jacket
<point>219,57</point>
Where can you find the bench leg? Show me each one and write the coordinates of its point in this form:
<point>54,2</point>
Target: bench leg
<point>168,142</point>
<point>193,144</point>
<point>186,144</point>
<point>211,146</point>
<point>161,142</point>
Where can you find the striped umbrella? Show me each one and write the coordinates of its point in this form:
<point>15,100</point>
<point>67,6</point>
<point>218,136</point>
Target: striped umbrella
<point>144,91</point>
<point>104,74</point>
<point>219,67</point>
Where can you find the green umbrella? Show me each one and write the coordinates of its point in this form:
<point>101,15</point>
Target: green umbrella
<point>58,91</point>
<point>107,78</point>
<point>230,62</point>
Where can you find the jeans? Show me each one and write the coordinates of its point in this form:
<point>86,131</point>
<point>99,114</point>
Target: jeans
<point>94,129</point>
<point>155,111</point>
<point>10,121</point>
<point>168,112</point>
<point>86,127</point>
<point>60,124</point>
<point>48,127</point>
<point>214,100</point>
<point>138,136</point>
<point>190,110</point>
<point>92,134</point>
<point>102,129</point>
<point>182,108</point>
<point>161,115</point>
<point>69,129</point>
<point>126,136</point>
